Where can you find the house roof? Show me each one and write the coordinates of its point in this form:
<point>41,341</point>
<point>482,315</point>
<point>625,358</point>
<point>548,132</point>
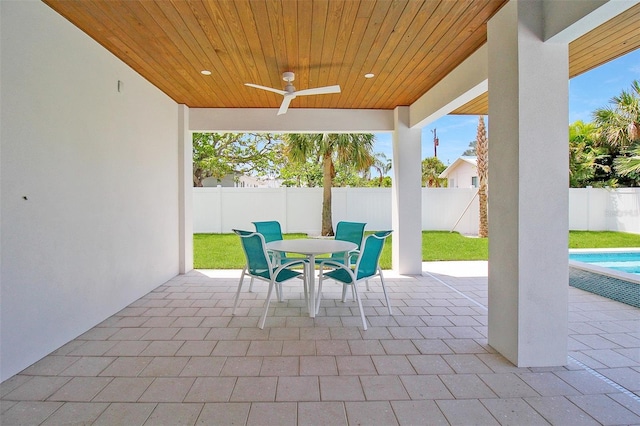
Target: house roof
<point>409,45</point>
<point>459,161</point>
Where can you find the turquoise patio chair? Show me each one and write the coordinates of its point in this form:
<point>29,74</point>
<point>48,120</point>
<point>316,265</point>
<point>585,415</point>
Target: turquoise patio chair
<point>260,266</point>
<point>347,231</point>
<point>367,266</point>
<point>271,231</point>
<point>352,232</point>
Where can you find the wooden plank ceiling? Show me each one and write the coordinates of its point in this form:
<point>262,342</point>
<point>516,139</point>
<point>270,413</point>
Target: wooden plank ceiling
<point>609,41</point>
<point>408,44</point>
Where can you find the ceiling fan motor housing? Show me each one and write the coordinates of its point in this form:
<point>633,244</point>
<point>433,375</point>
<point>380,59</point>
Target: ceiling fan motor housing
<point>288,76</point>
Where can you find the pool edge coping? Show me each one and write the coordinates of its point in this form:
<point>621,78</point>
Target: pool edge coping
<point>624,276</point>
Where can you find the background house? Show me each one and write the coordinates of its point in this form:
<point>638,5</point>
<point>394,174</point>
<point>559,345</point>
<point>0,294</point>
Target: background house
<point>241,182</point>
<point>463,173</point>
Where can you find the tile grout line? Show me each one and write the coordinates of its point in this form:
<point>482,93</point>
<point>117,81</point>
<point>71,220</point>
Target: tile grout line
<point>591,371</point>
<point>605,379</point>
<point>457,291</point>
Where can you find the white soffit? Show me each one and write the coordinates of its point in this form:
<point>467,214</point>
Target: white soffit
<point>296,120</point>
<point>565,21</point>
<point>465,83</point>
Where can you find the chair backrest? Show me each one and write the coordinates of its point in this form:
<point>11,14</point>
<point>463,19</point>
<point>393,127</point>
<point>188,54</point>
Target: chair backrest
<point>349,231</point>
<point>271,230</point>
<point>367,264</point>
<point>253,245</point>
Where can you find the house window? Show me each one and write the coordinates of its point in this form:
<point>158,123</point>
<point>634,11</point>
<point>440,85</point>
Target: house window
<point>474,181</point>
<point>452,183</point>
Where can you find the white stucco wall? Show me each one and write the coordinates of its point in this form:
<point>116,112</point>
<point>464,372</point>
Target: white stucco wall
<point>89,189</point>
<point>462,176</point>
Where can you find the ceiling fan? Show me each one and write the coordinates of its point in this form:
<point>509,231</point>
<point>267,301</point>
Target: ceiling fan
<point>290,92</point>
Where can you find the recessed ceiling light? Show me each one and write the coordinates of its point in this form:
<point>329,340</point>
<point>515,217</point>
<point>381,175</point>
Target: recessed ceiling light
<point>369,75</point>
<point>205,72</point>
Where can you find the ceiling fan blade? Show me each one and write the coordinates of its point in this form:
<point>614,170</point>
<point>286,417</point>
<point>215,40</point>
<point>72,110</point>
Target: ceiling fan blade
<point>319,90</point>
<point>269,89</point>
<point>285,104</point>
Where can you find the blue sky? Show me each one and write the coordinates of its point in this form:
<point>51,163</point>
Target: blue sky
<point>587,92</point>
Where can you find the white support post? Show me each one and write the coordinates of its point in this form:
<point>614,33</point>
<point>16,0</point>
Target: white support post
<point>185,191</point>
<point>406,214</point>
<point>528,148</point>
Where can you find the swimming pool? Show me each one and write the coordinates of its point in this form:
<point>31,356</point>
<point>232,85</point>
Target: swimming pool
<point>618,263</point>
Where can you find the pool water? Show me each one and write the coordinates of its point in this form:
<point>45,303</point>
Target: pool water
<point>628,262</point>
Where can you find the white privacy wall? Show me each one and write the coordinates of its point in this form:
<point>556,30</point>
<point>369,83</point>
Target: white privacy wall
<point>218,210</point>
<point>89,210</point>
<point>602,209</point>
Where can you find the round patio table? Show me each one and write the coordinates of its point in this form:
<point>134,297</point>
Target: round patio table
<point>311,247</point>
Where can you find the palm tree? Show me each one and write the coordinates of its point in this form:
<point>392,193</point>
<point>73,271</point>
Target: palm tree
<point>382,164</point>
<point>629,166</point>
<point>618,129</point>
<point>482,162</point>
<point>431,169</point>
<point>353,148</point>
<point>619,125</point>
<point>587,161</point>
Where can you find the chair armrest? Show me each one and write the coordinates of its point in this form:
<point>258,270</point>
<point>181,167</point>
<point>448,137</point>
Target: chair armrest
<point>330,262</point>
<point>290,265</point>
<point>333,264</point>
<point>353,253</point>
<point>295,262</point>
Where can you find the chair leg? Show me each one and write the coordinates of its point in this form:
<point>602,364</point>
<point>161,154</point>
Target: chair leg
<point>384,290</point>
<point>235,303</point>
<point>319,296</point>
<point>306,288</point>
<point>364,320</point>
<point>344,293</point>
<point>279,294</point>
<point>278,290</point>
<point>266,305</point>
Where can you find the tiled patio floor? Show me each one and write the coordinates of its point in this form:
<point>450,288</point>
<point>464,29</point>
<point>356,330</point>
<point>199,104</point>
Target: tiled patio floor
<point>177,356</point>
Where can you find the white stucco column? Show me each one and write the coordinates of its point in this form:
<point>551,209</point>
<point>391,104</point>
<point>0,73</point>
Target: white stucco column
<point>528,188</point>
<point>185,191</point>
<point>406,214</point>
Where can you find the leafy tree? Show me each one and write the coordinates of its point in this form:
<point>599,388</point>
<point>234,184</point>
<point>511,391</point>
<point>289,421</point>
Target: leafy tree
<point>471,151</point>
<point>307,174</point>
<point>619,125</point>
<point>482,163</point>
<point>328,149</point>
<point>385,183</point>
<point>618,130</point>
<point>629,166</point>
<point>589,163</point>
<point>431,169</point>
<point>220,154</point>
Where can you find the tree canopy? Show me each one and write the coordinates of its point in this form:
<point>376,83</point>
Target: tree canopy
<point>431,169</point>
<point>606,152</point>
<point>354,151</point>
<point>220,154</point>
<point>471,150</point>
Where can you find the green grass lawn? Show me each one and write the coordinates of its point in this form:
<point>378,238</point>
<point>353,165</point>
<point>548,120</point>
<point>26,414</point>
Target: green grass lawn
<point>223,251</point>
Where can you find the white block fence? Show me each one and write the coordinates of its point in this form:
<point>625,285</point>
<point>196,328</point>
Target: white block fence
<point>219,210</point>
